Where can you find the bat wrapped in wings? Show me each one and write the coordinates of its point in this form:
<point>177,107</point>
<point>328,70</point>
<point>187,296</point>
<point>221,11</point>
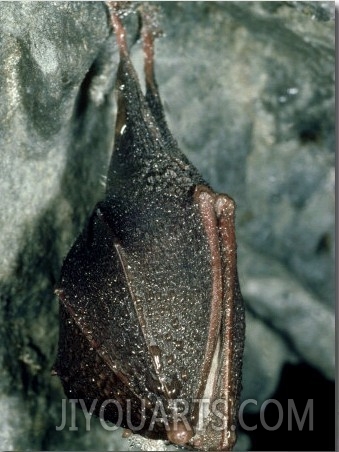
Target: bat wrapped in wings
<point>151,314</point>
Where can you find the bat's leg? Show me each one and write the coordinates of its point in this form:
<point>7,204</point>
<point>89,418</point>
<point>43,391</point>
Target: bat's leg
<point>148,47</point>
<point>149,30</point>
<point>125,69</point>
<point>115,8</point>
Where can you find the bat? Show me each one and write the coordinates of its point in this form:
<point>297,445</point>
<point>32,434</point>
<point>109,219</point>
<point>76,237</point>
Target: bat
<point>151,313</point>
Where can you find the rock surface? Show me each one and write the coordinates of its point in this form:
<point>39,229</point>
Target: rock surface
<point>249,94</point>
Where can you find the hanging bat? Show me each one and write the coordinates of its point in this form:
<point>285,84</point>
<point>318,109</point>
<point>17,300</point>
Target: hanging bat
<point>151,314</point>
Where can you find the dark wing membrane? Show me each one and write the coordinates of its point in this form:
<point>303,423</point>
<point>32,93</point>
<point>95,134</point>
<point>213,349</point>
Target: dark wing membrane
<point>145,153</point>
<point>94,295</point>
<point>143,310</point>
<point>87,376</point>
<point>138,282</point>
<point>167,262</point>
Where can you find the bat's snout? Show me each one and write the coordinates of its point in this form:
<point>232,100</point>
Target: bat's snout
<point>179,433</point>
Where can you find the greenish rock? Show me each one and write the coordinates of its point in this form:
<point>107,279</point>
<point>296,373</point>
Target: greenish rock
<point>248,89</point>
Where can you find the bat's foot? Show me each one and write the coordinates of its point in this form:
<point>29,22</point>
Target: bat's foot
<point>149,29</point>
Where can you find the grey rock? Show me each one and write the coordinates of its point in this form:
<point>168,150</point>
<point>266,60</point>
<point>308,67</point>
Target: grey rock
<point>249,94</point>
<point>262,370</point>
<point>306,323</point>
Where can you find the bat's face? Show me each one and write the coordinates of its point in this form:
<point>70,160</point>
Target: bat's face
<point>151,313</point>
